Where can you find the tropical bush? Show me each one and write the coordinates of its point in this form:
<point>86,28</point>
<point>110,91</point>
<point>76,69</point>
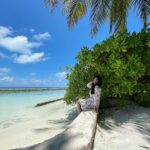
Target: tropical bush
<point>122,61</point>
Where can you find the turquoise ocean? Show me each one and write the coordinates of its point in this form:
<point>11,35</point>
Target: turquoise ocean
<point>16,107</point>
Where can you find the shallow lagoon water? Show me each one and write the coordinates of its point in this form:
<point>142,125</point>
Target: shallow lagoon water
<point>17,107</point>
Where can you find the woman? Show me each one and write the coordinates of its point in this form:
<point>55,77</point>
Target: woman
<point>93,101</point>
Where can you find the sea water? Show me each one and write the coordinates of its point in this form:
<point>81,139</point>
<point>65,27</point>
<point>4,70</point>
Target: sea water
<point>16,107</point>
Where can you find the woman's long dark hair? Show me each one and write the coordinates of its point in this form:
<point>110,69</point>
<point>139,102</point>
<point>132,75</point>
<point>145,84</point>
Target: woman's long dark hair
<point>99,84</point>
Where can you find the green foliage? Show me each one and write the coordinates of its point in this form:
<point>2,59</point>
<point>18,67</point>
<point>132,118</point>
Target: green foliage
<point>122,61</point>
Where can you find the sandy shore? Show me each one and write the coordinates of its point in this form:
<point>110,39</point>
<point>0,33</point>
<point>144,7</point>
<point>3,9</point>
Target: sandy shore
<point>35,131</point>
<point>126,129</point>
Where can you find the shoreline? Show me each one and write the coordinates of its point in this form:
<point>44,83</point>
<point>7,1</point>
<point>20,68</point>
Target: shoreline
<point>36,130</point>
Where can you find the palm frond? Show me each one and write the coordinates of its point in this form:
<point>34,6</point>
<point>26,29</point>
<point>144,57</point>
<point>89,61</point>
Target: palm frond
<point>76,9</point>
<point>101,10</point>
<point>143,9</point>
<point>118,14</point>
<point>99,14</point>
<point>51,3</point>
<point>113,14</point>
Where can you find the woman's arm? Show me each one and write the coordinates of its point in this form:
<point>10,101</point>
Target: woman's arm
<point>89,85</point>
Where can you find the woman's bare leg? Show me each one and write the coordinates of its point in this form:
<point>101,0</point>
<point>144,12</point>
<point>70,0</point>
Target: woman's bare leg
<point>79,106</point>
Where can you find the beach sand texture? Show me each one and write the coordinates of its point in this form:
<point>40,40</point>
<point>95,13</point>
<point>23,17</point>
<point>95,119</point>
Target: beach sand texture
<point>126,129</point>
<point>36,131</point>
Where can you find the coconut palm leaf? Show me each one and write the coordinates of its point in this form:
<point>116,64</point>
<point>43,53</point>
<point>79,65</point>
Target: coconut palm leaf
<point>76,9</point>
<point>143,9</point>
<point>116,11</point>
<point>99,14</point>
<point>51,3</point>
<point>118,14</point>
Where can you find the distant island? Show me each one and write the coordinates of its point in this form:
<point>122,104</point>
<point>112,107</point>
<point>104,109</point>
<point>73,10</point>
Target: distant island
<point>28,89</point>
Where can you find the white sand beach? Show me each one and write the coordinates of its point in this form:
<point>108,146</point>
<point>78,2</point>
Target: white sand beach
<point>35,131</point>
<point>126,129</point>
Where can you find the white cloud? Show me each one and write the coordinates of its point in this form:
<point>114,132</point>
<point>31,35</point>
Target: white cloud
<point>20,46</point>
<point>52,81</point>
<point>29,81</point>
<point>4,70</point>
<point>29,58</point>
<point>5,31</point>
<point>42,36</point>
<point>6,79</point>
<point>22,81</point>
<point>61,75</point>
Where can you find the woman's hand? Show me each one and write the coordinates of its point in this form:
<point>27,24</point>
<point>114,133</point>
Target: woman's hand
<point>89,85</point>
<point>91,82</point>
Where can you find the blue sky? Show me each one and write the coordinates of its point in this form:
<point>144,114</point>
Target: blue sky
<point>34,43</point>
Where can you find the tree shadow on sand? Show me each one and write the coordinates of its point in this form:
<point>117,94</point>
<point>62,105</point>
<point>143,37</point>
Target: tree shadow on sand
<point>57,142</point>
<point>137,116</point>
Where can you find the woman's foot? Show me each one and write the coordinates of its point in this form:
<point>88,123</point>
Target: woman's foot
<point>79,107</point>
<point>95,110</point>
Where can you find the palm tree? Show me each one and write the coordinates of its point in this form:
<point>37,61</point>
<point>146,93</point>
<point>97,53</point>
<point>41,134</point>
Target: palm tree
<point>116,11</point>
